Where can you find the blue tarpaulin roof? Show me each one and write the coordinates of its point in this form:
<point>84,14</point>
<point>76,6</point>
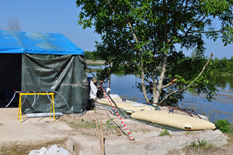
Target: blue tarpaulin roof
<point>37,43</point>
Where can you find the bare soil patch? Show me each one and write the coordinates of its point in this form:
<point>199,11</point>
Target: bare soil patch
<point>34,133</point>
<point>19,148</point>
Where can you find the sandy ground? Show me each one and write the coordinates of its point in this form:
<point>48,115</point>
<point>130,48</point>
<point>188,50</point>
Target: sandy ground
<point>34,133</point>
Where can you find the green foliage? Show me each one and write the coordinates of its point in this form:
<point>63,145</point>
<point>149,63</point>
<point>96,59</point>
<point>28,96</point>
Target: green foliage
<point>139,37</point>
<point>109,121</point>
<point>222,66</point>
<point>87,55</point>
<point>200,144</point>
<point>189,133</point>
<point>164,133</point>
<point>110,125</point>
<point>224,126</point>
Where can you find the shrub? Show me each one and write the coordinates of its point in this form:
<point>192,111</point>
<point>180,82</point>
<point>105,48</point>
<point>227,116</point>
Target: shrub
<point>223,125</point>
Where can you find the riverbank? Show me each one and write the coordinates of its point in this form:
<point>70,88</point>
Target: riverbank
<point>100,62</point>
<point>34,133</point>
<point>222,74</point>
<point>94,63</point>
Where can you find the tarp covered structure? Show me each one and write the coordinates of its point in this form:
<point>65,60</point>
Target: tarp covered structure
<point>43,62</point>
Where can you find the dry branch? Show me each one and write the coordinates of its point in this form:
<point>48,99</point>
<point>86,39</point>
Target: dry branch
<point>181,90</point>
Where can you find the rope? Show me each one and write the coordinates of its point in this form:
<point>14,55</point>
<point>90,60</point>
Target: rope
<point>49,97</point>
<point>38,96</point>
<point>35,98</point>
<point>63,99</point>
<point>66,104</point>
<point>154,106</point>
<point>111,101</point>
<point>123,124</point>
<point>34,101</point>
<point>24,99</point>
<point>80,114</point>
<point>11,99</point>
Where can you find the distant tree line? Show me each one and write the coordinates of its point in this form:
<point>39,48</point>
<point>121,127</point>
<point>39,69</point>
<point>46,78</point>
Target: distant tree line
<point>216,66</point>
<point>88,55</point>
<point>222,66</point>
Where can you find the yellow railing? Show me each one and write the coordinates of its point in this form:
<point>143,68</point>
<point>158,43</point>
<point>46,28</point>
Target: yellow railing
<point>51,104</point>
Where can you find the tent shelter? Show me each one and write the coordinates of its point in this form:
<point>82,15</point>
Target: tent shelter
<point>42,61</point>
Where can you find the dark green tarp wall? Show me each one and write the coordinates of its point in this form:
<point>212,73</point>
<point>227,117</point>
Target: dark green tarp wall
<point>42,61</point>
<point>65,74</point>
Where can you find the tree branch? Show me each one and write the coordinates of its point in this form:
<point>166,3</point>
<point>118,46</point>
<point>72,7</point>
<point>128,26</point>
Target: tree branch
<point>169,84</point>
<point>141,77</point>
<point>207,31</point>
<point>192,26</point>
<point>111,6</point>
<point>191,82</point>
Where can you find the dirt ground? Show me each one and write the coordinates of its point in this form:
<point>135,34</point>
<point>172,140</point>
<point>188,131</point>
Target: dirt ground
<point>212,150</point>
<point>34,133</point>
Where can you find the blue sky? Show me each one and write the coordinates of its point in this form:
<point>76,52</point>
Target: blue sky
<point>60,16</point>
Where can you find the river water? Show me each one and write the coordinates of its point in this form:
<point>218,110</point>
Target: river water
<point>219,108</point>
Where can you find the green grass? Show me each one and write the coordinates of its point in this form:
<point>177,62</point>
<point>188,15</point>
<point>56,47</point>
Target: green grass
<point>83,124</point>
<point>200,144</point>
<point>189,133</point>
<point>164,133</point>
<point>109,121</point>
<point>109,126</point>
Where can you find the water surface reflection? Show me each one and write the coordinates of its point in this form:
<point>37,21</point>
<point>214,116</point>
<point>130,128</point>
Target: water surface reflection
<point>220,108</point>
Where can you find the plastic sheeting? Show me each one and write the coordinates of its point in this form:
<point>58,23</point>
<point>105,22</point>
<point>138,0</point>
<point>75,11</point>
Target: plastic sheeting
<point>93,90</point>
<point>37,43</point>
<point>42,61</point>
<point>53,150</point>
<point>65,74</point>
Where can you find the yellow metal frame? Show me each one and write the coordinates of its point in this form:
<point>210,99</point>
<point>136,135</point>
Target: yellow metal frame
<point>51,104</point>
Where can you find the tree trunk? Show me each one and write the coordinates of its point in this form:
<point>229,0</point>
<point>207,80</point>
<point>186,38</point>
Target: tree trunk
<point>160,82</point>
<point>143,84</point>
<point>141,64</point>
<point>154,88</point>
<point>164,65</point>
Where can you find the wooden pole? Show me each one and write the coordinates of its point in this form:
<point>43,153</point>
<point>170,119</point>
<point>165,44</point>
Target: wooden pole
<point>102,137</point>
<point>98,134</point>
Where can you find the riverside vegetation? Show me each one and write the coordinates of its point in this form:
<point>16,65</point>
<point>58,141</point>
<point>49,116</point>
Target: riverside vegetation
<point>222,67</point>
